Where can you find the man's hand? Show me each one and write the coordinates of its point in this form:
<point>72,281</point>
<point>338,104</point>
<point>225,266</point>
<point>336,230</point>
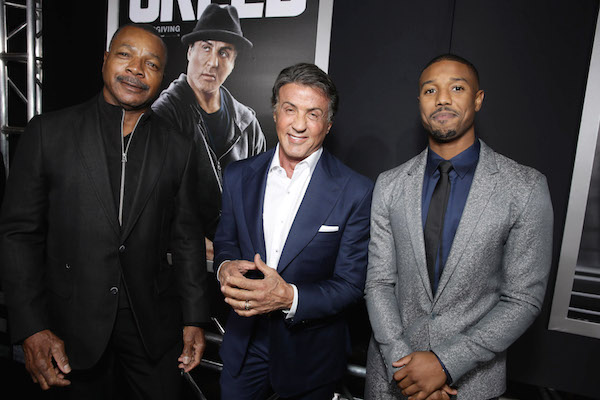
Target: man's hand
<point>193,348</point>
<point>442,394</point>
<point>46,360</point>
<point>420,376</point>
<point>236,268</point>
<point>250,297</point>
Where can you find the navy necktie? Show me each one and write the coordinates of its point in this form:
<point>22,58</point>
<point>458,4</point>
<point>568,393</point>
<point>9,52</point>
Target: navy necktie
<point>434,224</point>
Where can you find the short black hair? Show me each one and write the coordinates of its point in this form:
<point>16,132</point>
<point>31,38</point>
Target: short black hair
<point>453,57</point>
<point>147,27</point>
<point>309,75</point>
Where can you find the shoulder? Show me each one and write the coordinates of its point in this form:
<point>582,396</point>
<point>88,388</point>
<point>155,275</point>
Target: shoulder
<point>512,173</point>
<point>66,115</point>
<point>171,101</point>
<point>244,115</point>
<point>355,181</point>
<point>397,176</point>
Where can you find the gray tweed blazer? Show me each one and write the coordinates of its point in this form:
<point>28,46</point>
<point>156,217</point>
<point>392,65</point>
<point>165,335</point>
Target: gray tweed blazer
<point>492,286</point>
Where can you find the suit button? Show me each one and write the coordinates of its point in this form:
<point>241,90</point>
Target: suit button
<point>114,290</point>
<point>433,315</point>
<point>67,266</point>
<point>122,248</point>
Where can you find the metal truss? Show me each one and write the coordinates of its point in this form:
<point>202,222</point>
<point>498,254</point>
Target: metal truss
<point>20,51</point>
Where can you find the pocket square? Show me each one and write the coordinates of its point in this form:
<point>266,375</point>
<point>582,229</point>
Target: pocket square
<point>329,228</point>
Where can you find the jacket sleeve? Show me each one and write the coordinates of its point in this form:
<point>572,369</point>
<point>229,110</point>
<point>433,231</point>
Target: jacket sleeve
<point>525,264</point>
<point>226,242</point>
<point>23,236</point>
<point>380,287</point>
<point>189,251</point>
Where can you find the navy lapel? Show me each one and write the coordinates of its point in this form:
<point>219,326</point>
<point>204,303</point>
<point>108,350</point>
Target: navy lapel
<point>254,183</point>
<point>154,157</point>
<point>322,194</point>
<point>90,145</point>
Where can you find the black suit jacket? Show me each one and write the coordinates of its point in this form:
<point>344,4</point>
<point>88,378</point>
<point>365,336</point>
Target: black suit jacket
<point>64,254</point>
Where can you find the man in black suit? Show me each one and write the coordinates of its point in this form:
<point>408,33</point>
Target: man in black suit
<point>98,195</point>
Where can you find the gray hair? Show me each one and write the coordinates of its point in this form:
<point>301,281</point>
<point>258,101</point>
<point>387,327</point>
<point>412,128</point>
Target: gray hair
<point>308,75</point>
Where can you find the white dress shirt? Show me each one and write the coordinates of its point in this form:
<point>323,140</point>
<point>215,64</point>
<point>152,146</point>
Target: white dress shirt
<point>283,197</point>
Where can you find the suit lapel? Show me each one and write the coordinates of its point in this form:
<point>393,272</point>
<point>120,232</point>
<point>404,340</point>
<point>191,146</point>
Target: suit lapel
<point>154,157</point>
<point>254,185</point>
<point>93,155</point>
<point>321,196</point>
<point>414,218</point>
<point>484,182</point>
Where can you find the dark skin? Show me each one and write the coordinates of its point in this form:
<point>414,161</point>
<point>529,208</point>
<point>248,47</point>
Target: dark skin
<point>449,98</point>
<point>133,69</point>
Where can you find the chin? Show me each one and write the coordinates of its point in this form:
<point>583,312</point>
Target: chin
<point>443,137</point>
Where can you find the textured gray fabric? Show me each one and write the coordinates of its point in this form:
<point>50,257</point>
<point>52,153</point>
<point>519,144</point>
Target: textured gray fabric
<point>492,286</point>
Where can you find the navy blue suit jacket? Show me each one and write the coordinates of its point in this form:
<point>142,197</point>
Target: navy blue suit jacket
<point>328,268</point>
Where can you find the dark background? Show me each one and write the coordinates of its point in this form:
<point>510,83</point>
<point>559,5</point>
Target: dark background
<point>533,58</point>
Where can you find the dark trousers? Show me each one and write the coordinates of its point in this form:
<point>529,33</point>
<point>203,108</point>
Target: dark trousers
<point>125,371</point>
<point>253,381</point>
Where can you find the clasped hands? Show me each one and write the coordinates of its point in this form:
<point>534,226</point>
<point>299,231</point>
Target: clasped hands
<point>422,377</point>
<point>250,297</point>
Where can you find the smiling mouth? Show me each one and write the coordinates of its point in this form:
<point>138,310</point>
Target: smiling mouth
<point>295,138</point>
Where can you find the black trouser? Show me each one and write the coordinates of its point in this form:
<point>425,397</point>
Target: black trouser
<point>125,371</point>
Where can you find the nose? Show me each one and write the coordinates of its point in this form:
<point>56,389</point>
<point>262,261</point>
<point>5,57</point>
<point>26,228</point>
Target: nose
<point>135,66</point>
<point>213,59</point>
<point>443,97</point>
<point>299,124</point>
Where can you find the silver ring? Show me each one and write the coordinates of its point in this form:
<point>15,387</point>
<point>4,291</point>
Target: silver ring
<point>247,305</point>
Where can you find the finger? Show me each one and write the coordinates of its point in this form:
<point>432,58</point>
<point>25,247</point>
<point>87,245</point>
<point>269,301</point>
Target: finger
<point>260,264</point>
<point>411,390</point>
<point>241,282</point>
<point>60,356</point>
<point>449,390</point>
<point>402,362</point>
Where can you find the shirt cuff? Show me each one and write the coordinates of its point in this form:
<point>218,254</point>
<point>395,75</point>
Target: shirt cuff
<point>448,377</point>
<point>292,311</point>
<point>219,269</point>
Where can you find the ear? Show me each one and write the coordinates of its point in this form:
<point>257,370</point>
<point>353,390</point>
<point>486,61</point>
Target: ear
<point>479,99</point>
<point>189,51</point>
<point>329,127</point>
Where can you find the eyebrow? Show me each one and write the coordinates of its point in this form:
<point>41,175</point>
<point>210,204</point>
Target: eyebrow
<point>452,79</point>
<point>309,110</point>
<point>212,44</point>
<point>130,47</point>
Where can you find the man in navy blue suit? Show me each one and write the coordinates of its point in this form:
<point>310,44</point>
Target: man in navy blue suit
<point>291,247</point>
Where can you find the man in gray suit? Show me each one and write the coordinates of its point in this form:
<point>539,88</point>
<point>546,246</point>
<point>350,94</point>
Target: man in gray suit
<point>460,250</point>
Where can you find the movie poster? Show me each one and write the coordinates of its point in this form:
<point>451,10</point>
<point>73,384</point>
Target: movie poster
<point>283,32</point>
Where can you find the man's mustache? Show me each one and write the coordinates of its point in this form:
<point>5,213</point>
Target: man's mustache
<point>133,81</point>
<point>441,109</point>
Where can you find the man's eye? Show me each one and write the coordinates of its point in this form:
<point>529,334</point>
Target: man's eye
<point>314,116</point>
<point>224,54</point>
<point>152,65</point>
<point>123,54</point>
<point>430,91</point>
<point>458,88</point>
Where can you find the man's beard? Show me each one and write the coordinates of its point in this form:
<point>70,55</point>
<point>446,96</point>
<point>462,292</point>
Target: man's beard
<point>443,137</point>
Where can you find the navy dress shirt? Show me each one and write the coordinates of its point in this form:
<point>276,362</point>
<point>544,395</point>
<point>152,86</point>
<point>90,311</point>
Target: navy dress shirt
<point>461,177</point>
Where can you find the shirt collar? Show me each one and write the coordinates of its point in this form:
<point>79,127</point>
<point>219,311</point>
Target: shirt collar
<point>461,163</point>
<point>310,161</point>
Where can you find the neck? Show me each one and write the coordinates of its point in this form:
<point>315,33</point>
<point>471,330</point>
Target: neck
<point>209,101</point>
<point>448,150</point>
<point>131,118</point>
